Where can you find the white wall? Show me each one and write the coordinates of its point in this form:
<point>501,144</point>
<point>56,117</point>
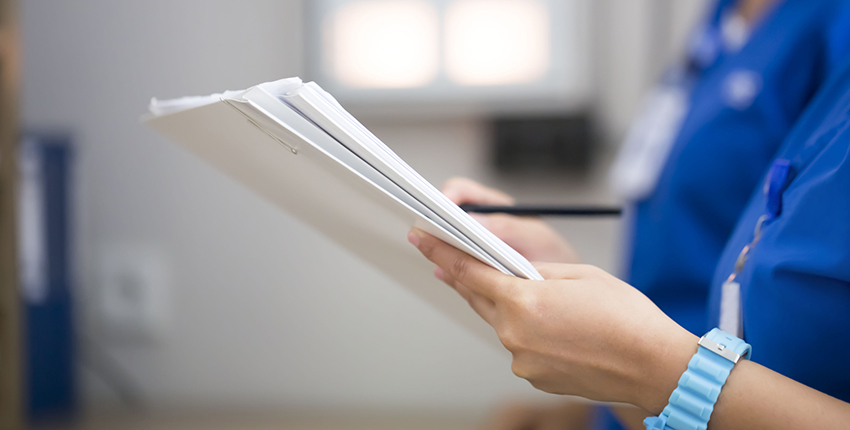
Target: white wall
<point>633,41</point>
<point>264,311</point>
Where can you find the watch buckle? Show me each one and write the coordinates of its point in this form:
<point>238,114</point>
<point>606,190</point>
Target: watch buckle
<point>719,349</point>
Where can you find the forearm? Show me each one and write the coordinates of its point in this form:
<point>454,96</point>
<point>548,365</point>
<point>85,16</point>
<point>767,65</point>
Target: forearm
<point>754,397</point>
<point>757,397</point>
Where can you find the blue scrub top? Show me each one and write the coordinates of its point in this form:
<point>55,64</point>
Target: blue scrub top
<point>795,286</point>
<point>721,153</point>
<point>723,149</point>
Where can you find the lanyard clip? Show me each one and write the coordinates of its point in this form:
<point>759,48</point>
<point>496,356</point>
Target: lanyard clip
<point>776,181</point>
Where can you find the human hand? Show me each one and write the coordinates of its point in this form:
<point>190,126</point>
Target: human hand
<point>531,237</point>
<point>581,332</point>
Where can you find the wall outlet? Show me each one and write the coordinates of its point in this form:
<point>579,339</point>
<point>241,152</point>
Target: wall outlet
<point>132,298</point>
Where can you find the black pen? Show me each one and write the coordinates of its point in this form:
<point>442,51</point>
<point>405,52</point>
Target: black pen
<point>528,210</point>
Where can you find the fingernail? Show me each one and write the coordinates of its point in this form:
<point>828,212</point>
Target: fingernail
<point>438,273</point>
<point>413,238</point>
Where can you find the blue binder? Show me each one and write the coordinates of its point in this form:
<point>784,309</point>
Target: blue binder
<point>46,286</point>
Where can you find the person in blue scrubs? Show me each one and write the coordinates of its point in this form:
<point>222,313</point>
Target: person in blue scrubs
<point>793,280</point>
<point>708,133</point>
<point>742,98</point>
<point>782,284</point>
<point>743,102</point>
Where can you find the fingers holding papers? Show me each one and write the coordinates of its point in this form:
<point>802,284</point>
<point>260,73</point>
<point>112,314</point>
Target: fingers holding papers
<point>476,282</point>
<point>563,271</point>
<point>484,307</point>
<point>460,266</point>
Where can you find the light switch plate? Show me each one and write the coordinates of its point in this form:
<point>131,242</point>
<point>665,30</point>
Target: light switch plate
<point>132,295</point>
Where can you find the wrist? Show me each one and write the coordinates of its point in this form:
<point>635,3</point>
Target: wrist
<point>693,401</point>
<point>665,365</point>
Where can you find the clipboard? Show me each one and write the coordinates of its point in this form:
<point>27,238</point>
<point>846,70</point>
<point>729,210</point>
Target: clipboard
<point>271,148</point>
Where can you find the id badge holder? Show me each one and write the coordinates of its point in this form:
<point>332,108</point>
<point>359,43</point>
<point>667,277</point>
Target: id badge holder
<point>649,141</point>
<point>731,311</point>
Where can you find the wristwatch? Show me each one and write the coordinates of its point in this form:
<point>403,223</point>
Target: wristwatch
<point>692,402</point>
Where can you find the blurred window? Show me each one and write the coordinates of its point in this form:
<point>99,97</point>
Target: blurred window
<point>496,42</point>
<point>384,43</point>
<point>484,55</point>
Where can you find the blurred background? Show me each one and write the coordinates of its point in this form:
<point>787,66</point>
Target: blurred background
<point>154,292</point>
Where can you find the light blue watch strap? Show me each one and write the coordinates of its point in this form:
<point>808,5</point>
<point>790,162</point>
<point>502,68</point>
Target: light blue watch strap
<point>692,402</point>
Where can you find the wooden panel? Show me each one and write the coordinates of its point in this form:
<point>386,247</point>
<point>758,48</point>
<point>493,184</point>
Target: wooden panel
<point>10,328</point>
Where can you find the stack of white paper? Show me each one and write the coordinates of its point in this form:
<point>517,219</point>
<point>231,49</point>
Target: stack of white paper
<point>293,143</point>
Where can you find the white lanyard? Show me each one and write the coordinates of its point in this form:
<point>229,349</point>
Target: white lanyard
<point>731,309</point>
<point>651,137</point>
<point>648,144</point>
<point>731,312</point>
